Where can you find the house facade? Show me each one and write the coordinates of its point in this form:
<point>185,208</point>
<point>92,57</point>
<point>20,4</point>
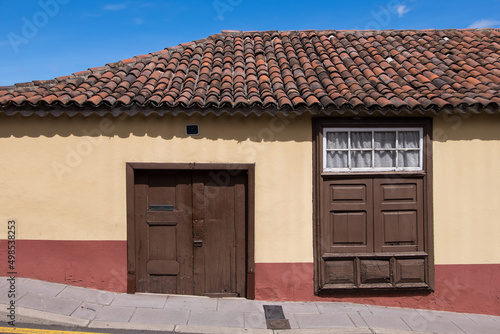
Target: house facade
<point>312,165</point>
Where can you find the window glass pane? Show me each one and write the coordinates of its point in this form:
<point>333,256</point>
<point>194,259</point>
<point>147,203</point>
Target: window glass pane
<point>377,149</point>
<point>385,139</point>
<point>408,159</point>
<point>408,139</point>
<point>361,159</point>
<point>336,159</point>
<point>361,139</point>
<point>336,140</point>
<point>385,158</point>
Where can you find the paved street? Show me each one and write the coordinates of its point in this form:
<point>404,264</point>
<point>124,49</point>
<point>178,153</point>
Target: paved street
<point>44,303</point>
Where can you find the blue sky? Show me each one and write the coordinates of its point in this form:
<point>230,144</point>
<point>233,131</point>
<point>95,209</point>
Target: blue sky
<point>43,39</point>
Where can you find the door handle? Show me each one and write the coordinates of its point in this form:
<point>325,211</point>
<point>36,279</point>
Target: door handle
<point>198,230</point>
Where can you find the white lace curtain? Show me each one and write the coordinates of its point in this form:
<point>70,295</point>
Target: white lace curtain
<point>367,149</point>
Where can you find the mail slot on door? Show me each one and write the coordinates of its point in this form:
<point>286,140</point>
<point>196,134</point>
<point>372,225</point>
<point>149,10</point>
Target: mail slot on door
<point>161,207</point>
<point>163,267</point>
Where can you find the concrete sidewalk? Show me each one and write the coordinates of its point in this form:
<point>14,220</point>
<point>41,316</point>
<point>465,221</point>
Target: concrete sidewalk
<point>52,303</point>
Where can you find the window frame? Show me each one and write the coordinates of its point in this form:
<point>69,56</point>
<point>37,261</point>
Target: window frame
<point>349,149</point>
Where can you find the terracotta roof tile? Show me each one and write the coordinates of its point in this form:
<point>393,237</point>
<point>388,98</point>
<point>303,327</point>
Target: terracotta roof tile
<point>322,70</point>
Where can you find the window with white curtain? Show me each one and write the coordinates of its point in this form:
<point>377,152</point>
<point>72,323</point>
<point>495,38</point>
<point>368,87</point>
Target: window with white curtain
<point>372,149</point>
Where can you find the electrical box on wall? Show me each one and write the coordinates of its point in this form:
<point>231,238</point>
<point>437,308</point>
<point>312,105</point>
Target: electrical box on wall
<point>192,130</point>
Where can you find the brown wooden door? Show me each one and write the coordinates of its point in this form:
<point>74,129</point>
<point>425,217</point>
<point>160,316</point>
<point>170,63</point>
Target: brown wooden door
<point>372,233</point>
<point>190,232</point>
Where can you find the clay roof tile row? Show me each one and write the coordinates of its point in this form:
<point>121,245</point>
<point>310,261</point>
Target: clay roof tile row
<point>321,72</point>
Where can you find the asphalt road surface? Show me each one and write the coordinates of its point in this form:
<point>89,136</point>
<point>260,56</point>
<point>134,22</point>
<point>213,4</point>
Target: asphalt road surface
<point>53,329</point>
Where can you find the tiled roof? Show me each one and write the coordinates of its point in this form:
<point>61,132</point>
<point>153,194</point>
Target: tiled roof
<point>320,72</point>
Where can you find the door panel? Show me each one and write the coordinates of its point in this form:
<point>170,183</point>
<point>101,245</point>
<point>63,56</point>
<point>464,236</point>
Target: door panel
<point>375,272</point>
<point>348,216</point>
<point>190,232</point>
<point>410,271</point>
<point>398,211</point>
<point>399,227</point>
<point>340,273</point>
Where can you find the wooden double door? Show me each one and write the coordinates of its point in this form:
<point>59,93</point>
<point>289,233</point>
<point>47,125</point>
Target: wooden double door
<point>190,232</point>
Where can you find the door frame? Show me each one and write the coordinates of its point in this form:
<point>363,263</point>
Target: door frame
<point>131,167</point>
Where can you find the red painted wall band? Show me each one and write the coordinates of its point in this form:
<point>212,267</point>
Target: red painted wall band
<point>473,288</point>
<point>92,264</point>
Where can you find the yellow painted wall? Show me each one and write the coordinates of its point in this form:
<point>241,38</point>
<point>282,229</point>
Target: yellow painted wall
<point>64,178</point>
<point>467,189</point>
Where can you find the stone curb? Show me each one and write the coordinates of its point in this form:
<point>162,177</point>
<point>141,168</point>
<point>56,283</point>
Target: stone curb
<point>220,330</point>
<point>130,326</point>
<point>338,330</point>
<point>41,317</point>
<point>395,331</point>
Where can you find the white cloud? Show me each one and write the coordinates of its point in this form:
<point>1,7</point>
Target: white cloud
<point>116,7</point>
<point>402,10</point>
<point>484,24</point>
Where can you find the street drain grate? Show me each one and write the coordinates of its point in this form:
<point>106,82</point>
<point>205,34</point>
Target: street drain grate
<point>275,318</point>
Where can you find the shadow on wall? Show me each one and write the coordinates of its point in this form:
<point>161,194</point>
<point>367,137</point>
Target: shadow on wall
<point>257,128</point>
<point>466,127</point>
<point>240,128</point>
